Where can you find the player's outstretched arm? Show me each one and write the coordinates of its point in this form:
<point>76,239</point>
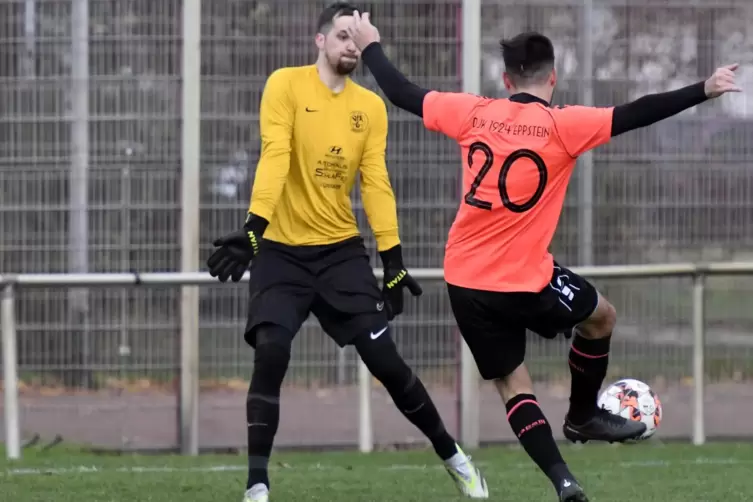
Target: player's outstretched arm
<point>582,128</point>
<point>652,108</point>
<point>237,249</point>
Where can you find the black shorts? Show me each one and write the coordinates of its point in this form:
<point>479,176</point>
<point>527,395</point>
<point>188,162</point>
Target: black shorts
<point>335,282</point>
<point>494,324</point>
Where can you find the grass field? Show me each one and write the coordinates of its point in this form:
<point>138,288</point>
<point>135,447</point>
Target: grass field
<point>648,472</point>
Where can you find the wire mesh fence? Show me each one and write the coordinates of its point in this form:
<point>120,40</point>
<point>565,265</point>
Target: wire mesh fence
<point>676,191</point>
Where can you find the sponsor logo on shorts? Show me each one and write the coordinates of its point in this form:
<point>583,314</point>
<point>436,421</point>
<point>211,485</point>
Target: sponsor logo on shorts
<point>379,333</point>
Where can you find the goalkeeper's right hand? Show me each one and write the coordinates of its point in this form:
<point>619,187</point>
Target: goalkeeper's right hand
<point>237,249</point>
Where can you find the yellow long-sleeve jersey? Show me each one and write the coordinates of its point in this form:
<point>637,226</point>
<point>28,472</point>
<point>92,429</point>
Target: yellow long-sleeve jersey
<point>314,144</point>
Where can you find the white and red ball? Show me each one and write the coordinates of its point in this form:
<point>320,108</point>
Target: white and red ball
<point>633,400</point>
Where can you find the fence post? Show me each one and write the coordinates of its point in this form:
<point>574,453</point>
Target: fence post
<point>191,197</point>
<point>699,349</point>
<point>78,215</point>
<point>365,424</point>
<point>469,377</point>
<point>10,374</point>
<point>586,161</point>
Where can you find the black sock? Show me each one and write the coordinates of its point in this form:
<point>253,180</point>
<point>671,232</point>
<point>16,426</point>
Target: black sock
<point>381,357</point>
<point>263,408</point>
<point>533,431</point>
<point>588,361</point>
<point>263,418</point>
<point>416,405</point>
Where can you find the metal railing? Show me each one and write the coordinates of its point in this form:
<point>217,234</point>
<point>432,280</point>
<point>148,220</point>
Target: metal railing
<point>189,374</point>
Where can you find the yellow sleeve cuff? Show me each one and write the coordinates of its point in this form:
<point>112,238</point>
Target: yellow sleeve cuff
<point>261,209</point>
<point>387,241</point>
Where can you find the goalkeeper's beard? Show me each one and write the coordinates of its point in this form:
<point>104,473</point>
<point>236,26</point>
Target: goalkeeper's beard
<point>342,67</point>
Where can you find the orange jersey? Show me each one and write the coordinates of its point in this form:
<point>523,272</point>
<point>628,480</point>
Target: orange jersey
<point>518,155</point>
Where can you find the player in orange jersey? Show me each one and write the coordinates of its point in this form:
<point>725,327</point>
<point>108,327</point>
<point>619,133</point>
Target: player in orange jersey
<point>519,154</point>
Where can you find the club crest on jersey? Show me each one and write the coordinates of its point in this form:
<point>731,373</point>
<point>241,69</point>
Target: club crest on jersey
<point>359,122</point>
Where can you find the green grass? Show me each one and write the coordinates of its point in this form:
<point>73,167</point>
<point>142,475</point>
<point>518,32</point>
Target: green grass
<point>647,472</point>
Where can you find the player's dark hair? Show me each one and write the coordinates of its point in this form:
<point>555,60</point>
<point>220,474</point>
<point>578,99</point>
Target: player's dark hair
<point>529,58</point>
<point>332,11</point>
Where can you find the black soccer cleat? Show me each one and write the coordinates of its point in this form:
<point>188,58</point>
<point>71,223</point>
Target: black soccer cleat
<point>604,426</point>
<point>572,492</point>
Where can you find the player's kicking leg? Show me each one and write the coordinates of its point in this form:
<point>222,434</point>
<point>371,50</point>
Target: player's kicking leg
<point>571,301</point>
<point>381,357</point>
<point>588,360</point>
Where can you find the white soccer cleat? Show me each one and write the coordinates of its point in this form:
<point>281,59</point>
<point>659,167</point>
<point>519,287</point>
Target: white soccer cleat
<point>257,493</point>
<point>466,476</point>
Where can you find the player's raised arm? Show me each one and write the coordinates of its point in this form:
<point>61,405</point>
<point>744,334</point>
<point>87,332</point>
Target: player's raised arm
<point>652,108</point>
<point>277,114</point>
<point>442,111</point>
<point>399,90</point>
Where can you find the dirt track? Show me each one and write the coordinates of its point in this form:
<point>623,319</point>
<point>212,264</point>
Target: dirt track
<point>329,416</point>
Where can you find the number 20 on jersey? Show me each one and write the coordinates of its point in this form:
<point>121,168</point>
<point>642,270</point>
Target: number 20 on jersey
<point>470,197</point>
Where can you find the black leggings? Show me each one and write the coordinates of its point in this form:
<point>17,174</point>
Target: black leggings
<point>380,355</point>
<point>272,356</point>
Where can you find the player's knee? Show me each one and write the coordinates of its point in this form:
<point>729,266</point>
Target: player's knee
<point>272,356</point>
<point>384,362</point>
<point>602,321</point>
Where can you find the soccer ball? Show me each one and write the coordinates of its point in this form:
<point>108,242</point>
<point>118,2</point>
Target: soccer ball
<point>634,400</point>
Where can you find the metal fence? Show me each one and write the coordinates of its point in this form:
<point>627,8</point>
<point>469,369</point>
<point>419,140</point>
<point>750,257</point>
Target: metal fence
<point>347,415</point>
<point>117,116</point>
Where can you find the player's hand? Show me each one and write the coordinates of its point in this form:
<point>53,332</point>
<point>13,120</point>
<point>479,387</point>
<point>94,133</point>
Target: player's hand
<point>396,277</point>
<point>722,81</point>
<point>233,257</point>
<point>236,250</point>
<point>361,31</point>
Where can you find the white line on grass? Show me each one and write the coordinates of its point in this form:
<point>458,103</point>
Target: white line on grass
<point>84,469</point>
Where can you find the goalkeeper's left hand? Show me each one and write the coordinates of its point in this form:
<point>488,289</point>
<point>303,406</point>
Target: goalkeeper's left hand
<point>236,250</point>
<point>396,277</point>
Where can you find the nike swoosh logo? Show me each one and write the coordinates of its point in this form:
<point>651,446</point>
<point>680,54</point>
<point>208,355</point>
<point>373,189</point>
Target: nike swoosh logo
<point>379,333</point>
<point>309,110</point>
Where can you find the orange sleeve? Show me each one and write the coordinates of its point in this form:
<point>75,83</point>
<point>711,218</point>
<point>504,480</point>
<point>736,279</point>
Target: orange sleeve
<point>583,128</point>
<point>446,112</point>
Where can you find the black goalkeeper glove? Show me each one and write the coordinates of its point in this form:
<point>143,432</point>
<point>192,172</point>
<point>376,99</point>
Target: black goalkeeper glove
<point>237,249</point>
<point>396,277</point>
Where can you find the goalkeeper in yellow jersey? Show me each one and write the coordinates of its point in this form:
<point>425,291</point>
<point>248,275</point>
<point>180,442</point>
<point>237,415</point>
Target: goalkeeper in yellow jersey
<point>319,132</point>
